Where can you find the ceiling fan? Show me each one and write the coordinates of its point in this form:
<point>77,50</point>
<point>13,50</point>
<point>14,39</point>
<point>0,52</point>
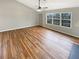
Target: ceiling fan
<point>40,7</point>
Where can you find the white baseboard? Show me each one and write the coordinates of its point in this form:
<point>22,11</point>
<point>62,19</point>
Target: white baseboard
<point>63,32</point>
<point>17,28</point>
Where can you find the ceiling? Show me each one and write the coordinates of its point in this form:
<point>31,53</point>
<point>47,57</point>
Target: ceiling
<point>51,4</point>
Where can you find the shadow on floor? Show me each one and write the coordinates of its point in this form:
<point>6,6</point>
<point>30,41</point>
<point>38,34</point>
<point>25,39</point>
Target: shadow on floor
<point>74,52</point>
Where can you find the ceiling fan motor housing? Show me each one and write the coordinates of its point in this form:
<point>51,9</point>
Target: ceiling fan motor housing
<point>39,7</point>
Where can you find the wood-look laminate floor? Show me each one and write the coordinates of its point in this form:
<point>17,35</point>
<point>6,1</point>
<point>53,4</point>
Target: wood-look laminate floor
<point>34,43</point>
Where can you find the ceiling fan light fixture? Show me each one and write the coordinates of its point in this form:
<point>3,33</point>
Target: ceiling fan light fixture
<point>39,10</point>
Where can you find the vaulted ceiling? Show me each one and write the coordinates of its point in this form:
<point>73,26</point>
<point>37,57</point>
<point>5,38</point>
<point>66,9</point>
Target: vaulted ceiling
<point>51,4</point>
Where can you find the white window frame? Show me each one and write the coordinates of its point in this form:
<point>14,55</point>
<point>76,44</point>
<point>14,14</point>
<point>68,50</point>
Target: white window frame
<point>65,19</point>
<point>56,18</point>
<point>60,20</point>
<point>47,19</point>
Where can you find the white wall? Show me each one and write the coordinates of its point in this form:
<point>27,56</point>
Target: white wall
<point>14,15</point>
<point>74,30</point>
<point>40,19</point>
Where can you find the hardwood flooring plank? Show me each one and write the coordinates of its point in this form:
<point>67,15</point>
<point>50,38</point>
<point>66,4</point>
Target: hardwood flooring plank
<point>35,43</point>
<point>49,48</point>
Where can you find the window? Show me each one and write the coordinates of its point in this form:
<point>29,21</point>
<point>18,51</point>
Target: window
<point>66,19</point>
<point>56,18</point>
<point>49,19</point>
<point>60,19</point>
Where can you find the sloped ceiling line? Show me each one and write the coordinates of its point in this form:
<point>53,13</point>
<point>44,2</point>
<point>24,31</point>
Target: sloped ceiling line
<point>51,4</point>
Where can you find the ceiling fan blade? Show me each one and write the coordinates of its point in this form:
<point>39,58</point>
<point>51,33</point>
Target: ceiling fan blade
<point>39,5</point>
